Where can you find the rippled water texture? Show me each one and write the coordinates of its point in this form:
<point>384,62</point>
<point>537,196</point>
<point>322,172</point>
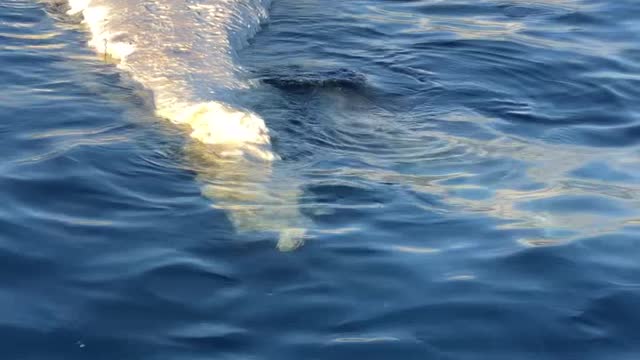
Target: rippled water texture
<point>465,175</point>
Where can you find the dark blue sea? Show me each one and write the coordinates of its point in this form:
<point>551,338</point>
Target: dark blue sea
<point>319,179</point>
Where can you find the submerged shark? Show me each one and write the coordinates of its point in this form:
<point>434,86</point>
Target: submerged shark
<point>184,53</point>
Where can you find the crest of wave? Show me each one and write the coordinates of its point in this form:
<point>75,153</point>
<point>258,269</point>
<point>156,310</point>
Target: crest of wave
<point>185,52</point>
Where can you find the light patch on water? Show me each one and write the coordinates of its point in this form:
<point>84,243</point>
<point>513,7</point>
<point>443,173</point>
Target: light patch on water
<point>43,36</point>
<point>364,340</point>
<point>541,242</point>
<point>339,230</point>
<point>415,249</point>
<point>33,47</point>
<point>591,207</point>
<point>461,277</point>
<point>66,146</point>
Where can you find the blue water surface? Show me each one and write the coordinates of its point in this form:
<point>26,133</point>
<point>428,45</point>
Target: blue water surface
<point>470,173</point>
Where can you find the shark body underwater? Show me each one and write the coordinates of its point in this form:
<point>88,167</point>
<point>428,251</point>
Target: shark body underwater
<point>185,54</point>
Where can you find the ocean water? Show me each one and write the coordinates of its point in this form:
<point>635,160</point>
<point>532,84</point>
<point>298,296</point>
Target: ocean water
<point>319,179</point>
